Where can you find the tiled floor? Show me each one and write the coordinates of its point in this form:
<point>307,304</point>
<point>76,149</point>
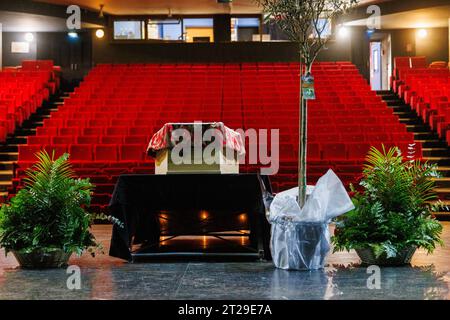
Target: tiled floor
<point>108,278</point>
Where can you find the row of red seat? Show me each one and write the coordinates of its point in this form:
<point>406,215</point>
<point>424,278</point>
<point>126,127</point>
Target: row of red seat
<point>427,90</point>
<point>110,112</point>
<point>22,91</point>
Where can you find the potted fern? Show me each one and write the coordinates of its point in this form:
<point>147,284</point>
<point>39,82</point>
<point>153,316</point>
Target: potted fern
<point>46,221</point>
<point>393,213</point>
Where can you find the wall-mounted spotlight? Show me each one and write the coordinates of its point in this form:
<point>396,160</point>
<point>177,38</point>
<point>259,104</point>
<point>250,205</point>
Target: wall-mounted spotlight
<point>73,35</point>
<point>100,33</point>
<point>29,37</point>
<point>422,33</point>
<point>343,32</point>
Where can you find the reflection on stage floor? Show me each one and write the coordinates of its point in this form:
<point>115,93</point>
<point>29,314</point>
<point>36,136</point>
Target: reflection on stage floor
<point>104,277</point>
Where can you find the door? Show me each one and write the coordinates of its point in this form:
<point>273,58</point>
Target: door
<point>375,66</point>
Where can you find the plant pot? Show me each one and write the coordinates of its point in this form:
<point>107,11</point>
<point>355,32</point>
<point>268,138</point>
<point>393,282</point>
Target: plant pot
<point>403,257</point>
<point>299,245</point>
<point>40,259</point>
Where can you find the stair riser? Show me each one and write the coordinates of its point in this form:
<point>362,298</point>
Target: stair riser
<point>444,196</point>
<point>435,153</point>
<point>442,184</point>
<point>6,157</point>
<point>6,166</point>
<point>425,136</point>
<point>8,148</point>
<point>16,141</point>
<point>434,144</point>
<point>6,177</point>
<point>409,121</point>
<point>397,108</point>
<point>4,188</point>
<point>444,173</point>
<point>418,129</point>
<point>444,163</point>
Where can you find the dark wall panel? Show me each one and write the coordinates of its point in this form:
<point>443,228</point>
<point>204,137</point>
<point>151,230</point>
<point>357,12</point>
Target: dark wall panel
<point>403,42</point>
<point>15,59</point>
<point>105,51</point>
<point>434,46</point>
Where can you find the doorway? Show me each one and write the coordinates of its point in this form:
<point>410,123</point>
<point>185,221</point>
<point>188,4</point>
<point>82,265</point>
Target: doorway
<point>380,61</point>
<point>375,65</point>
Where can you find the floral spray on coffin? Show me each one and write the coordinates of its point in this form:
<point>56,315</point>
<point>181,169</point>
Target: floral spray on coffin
<point>300,238</point>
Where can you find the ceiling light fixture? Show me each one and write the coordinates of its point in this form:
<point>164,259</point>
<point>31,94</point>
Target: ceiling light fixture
<point>101,14</point>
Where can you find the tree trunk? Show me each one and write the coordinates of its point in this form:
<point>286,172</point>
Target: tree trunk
<point>302,140</point>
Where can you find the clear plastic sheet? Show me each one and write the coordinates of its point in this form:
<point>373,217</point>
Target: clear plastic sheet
<point>300,238</point>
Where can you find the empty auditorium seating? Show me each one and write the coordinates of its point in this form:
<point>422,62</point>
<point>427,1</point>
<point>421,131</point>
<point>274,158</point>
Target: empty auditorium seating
<point>427,90</point>
<point>22,91</point>
<point>107,121</point>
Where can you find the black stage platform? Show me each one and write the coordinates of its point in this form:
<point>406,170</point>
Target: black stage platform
<point>225,211</point>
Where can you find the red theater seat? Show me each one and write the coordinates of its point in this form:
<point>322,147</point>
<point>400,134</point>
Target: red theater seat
<point>106,153</point>
<point>109,119</point>
<point>334,151</point>
<point>81,153</point>
<point>132,153</point>
<point>358,151</point>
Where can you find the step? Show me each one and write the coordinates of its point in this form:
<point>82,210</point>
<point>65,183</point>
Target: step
<point>17,140</point>
<point>7,165</point>
<point>408,114</point>
<point>442,216</point>
<point>443,182</point>
<point>417,128</point>
<point>435,152</point>
<point>9,148</point>
<point>424,135</point>
<point>398,108</point>
<point>444,193</point>
<point>436,158</point>
<point>409,121</point>
<point>432,143</point>
<point>8,156</point>
<point>440,161</point>
<point>380,92</point>
<point>443,202</point>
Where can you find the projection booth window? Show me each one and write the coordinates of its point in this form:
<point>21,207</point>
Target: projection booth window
<point>188,29</point>
<point>168,29</point>
<point>128,30</point>
<point>245,29</point>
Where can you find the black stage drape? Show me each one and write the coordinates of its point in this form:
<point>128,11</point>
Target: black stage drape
<point>138,201</point>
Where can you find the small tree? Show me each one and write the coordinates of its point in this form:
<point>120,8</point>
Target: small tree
<point>304,22</point>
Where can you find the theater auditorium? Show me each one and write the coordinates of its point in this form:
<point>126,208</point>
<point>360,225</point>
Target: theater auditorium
<point>105,86</point>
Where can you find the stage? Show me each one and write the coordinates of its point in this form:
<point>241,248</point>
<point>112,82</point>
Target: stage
<point>105,277</point>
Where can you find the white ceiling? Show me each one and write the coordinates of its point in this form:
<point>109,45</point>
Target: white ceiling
<point>133,7</point>
<point>24,22</point>
<point>434,17</point>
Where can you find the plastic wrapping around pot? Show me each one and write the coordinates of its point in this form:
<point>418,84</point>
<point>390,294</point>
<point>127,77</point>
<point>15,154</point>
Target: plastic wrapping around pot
<point>300,238</point>
<point>299,245</point>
